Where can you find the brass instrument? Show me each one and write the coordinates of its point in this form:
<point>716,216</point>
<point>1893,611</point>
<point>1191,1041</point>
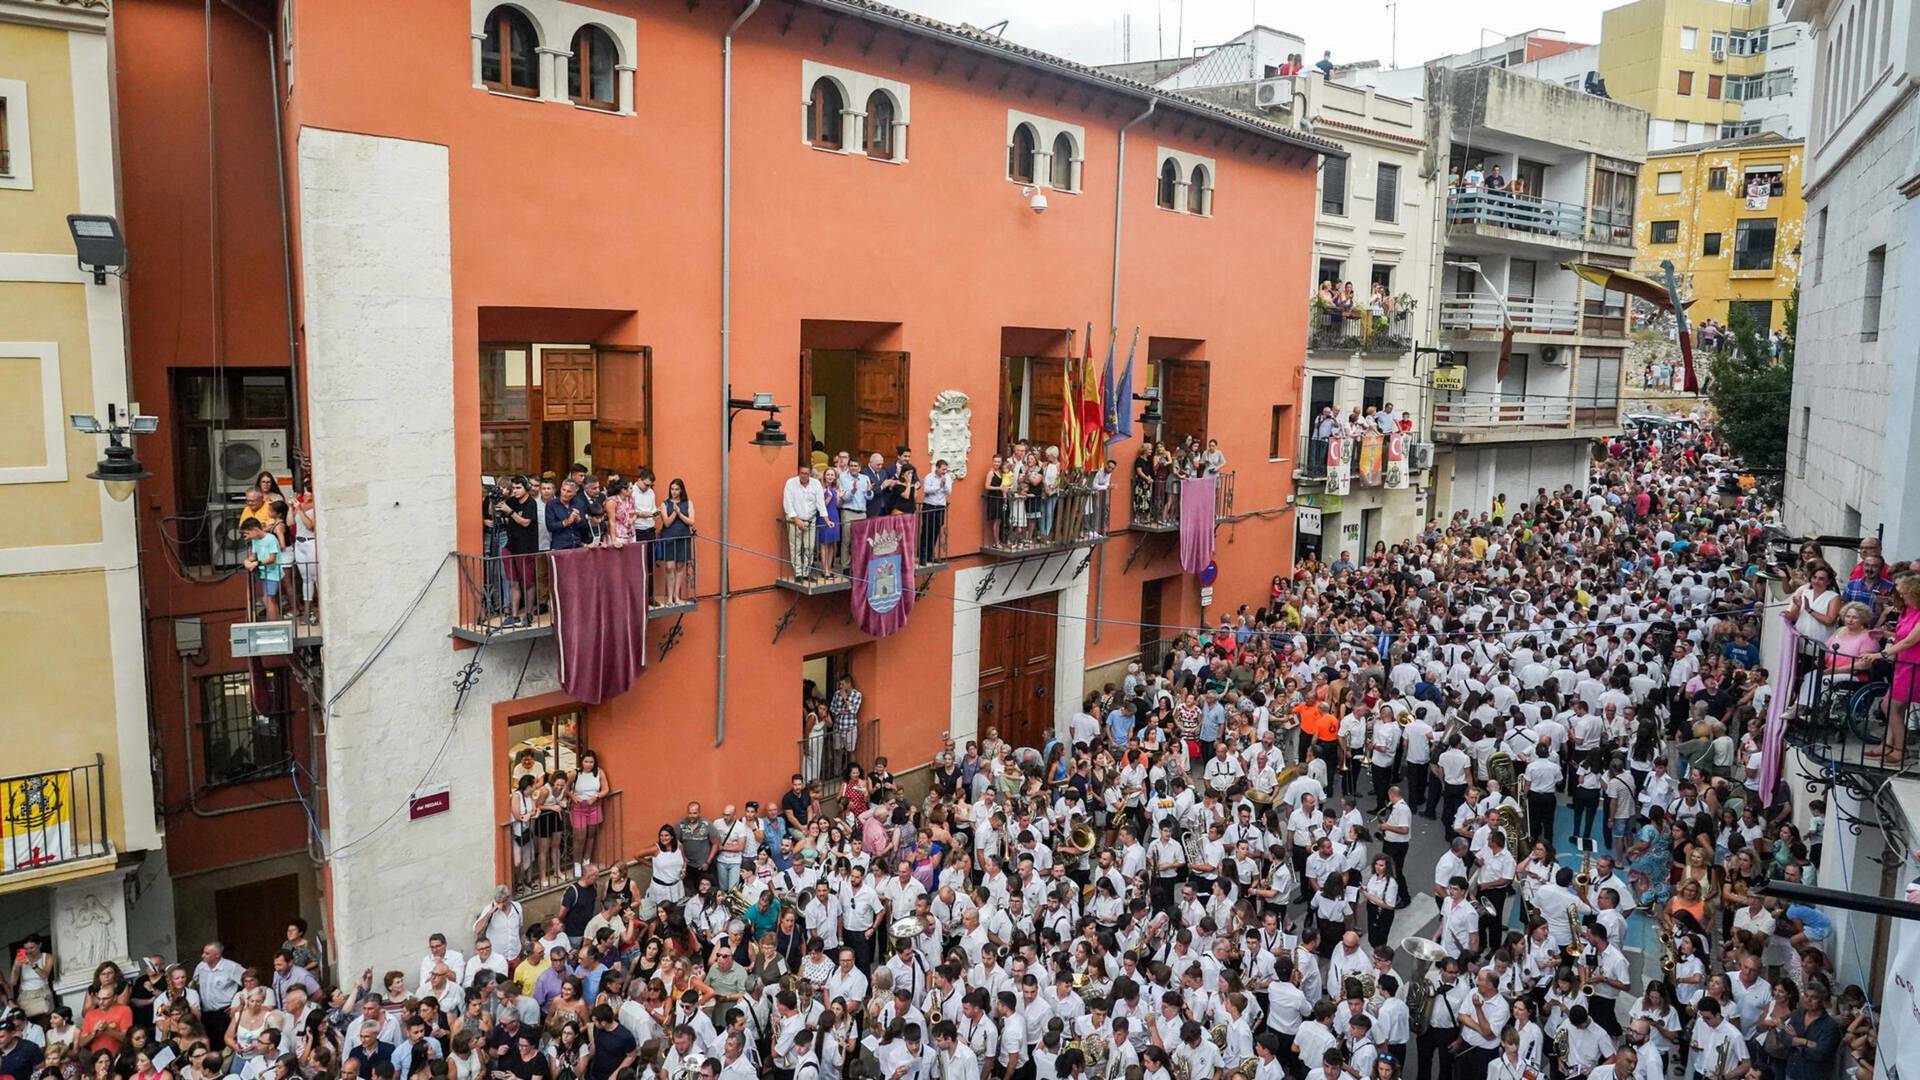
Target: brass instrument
<point>1181,1069</point>
<point>1513,821</point>
<point>1194,843</point>
<point>1287,776</point>
<point>735,900</point>
<point>1669,954</point>
<point>1245,1070</point>
<point>1081,840</point>
<point>907,928</point>
<point>1425,954</point>
<point>1584,879</point>
<point>1720,1059</point>
<point>1218,1033</point>
<point>1575,947</point>
<point>1561,1045</point>
<point>1500,768</point>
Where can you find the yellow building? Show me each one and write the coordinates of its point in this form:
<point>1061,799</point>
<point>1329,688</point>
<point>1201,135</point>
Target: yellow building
<point>1729,215</point>
<point>1702,69</point>
<point>77,818</point>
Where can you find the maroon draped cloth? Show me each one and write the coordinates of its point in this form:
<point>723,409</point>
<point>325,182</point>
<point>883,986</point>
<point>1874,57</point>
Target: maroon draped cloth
<point>600,619</point>
<point>882,571</point>
<point>1196,523</point>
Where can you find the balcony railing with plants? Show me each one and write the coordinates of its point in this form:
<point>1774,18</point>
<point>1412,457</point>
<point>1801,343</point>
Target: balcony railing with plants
<point>1360,329</point>
<point>1545,218</point>
<point>1530,316</point>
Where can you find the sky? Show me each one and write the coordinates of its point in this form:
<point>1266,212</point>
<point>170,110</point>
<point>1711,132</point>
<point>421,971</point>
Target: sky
<point>1091,31</point>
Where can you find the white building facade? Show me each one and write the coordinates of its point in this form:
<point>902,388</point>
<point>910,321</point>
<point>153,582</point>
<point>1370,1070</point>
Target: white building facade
<point>1853,456</point>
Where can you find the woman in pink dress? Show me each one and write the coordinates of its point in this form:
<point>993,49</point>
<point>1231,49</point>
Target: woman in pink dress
<point>1904,650</point>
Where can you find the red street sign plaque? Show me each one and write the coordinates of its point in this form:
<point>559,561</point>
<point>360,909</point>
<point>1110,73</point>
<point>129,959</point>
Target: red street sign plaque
<point>429,803</point>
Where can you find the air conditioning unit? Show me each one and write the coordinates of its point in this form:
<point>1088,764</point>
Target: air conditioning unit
<point>1273,93</point>
<point>240,455</point>
<point>226,544</point>
<point>1420,455</point>
<point>1556,355</point>
<point>1719,57</point>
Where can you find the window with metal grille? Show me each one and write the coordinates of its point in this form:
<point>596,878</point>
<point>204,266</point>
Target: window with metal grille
<point>243,727</point>
<point>1333,186</point>
<point>1386,193</point>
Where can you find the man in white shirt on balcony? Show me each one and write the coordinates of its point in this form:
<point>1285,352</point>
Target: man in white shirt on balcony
<point>803,503</point>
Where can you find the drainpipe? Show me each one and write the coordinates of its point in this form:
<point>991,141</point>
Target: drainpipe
<point>1113,311</point>
<point>726,356</point>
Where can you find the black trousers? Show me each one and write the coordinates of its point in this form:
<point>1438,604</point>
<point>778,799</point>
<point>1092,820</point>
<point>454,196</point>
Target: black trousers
<point>933,520</point>
<point>861,942</point>
<point>1606,1013</point>
<point>1418,775</point>
<point>1541,808</point>
<point>1379,925</point>
<point>216,1021</point>
<point>1493,926</point>
<point>1586,809</point>
<point>1451,796</point>
<point>1397,851</point>
<point>1382,780</point>
<point>1434,1048</point>
<point>1473,1063</point>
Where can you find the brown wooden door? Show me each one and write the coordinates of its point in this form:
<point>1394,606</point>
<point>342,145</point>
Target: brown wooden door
<point>880,382</point>
<point>252,918</point>
<point>1183,399</point>
<point>623,424</point>
<point>803,438</point>
<point>570,383</point>
<point>1046,413</point>
<point>1150,620</point>
<point>1016,669</point>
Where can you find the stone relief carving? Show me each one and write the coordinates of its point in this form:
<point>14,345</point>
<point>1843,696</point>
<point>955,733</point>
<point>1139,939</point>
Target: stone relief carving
<point>951,435</point>
<point>86,932</point>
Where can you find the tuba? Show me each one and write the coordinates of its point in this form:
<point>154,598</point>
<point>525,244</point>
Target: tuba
<point>1195,844</point>
<point>1081,839</point>
<point>1500,768</point>
<point>1425,954</point>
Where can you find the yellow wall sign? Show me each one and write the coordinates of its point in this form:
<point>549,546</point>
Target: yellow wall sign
<point>1450,378</point>
<point>36,821</point>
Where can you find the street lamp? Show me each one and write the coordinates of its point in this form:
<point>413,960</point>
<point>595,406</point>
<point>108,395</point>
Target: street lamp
<point>769,433</point>
<point>97,244</point>
<point>1150,416</point>
<point>119,470</point>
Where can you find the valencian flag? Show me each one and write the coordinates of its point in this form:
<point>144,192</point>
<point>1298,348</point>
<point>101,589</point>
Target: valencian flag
<point>1665,296</point>
<point>1070,409</point>
<point>882,571</point>
<point>1092,411</point>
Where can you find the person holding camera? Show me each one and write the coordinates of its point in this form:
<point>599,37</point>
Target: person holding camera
<point>516,516</point>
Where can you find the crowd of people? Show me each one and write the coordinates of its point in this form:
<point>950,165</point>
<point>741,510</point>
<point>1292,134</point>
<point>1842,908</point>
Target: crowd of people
<point>1211,873</point>
<point>282,554</point>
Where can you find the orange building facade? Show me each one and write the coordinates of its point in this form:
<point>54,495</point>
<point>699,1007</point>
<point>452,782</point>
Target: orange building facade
<point>502,263</point>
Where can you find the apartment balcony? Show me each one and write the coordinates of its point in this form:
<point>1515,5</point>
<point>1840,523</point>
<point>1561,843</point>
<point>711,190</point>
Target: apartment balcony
<point>510,597</point>
<point>1840,715</point>
<point>1361,332</point>
<point>53,820</point>
<point>1161,514</point>
<point>1019,526</point>
<point>815,562</point>
<point>539,865</point>
<point>1521,420</point>
<point>1496,221</point>
<point>1481,315</point>
<point>293,600</point>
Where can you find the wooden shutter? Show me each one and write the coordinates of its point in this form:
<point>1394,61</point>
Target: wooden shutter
<point>568,378</point>
<point>1046,413</point>
<point>1010,369</point>
<point>623,427</point>
<point>803,438</point>
<point>1183,399</point>
<point>880,383</point>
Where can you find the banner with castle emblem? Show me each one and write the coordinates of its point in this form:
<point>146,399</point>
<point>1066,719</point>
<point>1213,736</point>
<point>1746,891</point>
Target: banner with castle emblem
<point>882,571</point>
<point>1396,474</point>
<point>1339,465</point>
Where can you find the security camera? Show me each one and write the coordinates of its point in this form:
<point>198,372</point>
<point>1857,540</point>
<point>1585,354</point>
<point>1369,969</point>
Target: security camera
<point>1036,199</point>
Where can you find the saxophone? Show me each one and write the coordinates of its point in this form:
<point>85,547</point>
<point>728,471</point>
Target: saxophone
<point>1562,1046</point>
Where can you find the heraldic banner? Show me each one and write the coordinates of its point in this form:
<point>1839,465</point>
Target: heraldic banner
<point>882,569</point>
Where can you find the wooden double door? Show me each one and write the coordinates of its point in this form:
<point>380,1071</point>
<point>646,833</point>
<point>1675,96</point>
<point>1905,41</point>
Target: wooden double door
<point>1017,642</point>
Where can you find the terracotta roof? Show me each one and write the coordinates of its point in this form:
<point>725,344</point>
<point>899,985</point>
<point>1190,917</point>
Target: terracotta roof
<point>979,41</point>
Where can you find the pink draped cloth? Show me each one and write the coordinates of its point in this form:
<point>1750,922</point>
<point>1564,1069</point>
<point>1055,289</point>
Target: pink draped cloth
<point>1196,523</point>
<point>600,619</point>
<point>1773,743</point>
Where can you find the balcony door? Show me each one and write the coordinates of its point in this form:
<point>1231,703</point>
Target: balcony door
<point>853,400</point>
<point>1032,401</point>
<point>1184,386</point>
<point>548,408</point>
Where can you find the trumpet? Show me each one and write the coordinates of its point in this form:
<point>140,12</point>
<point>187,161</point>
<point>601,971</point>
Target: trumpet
<point>1669,953</point>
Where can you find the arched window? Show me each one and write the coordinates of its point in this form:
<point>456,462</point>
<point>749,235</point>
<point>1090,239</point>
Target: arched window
<point>880,117</point>
<point>590,78</point>
<point>508,62</point>
<point>1169,185</point>
<point>1020,155</point>
<point>1060,169</point>
<point>1200,191</point>
<point>826,109</point>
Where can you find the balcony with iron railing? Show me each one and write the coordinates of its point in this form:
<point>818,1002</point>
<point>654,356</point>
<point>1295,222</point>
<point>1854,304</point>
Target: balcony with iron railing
<point>1331,330</point>
<point>816,558</point>
<point>508,597</point>
<point>1525,218</point>
<point>1841,709</point>
<point>1474,313</point>
<point>539,855</point>
<point>1016,526</point>
<point>827,751</point>
<point>292,597</point>
<point>54,818</point>
<point>1156,506</point>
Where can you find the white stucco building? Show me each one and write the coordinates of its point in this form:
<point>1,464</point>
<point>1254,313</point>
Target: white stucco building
<point>1853,457</point>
